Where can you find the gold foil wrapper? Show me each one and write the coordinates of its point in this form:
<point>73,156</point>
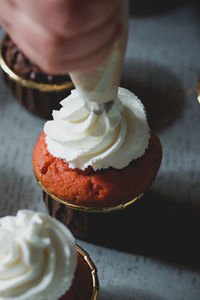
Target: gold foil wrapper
<point>90,208</point>
<point>93,271</point>
<point>38,98</point>
<point>198,90</point>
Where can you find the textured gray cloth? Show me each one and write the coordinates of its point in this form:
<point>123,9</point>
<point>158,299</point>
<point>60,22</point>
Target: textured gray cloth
<point>162,66</point>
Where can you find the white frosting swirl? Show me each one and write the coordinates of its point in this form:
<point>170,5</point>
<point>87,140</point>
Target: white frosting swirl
<point>113,139</point>
<point>37,257</point>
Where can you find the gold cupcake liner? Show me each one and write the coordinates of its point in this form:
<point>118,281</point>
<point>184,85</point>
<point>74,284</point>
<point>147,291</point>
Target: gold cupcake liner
<point>198,90</point>
<point>42,87</point>
<point>90,208</point>
<point>93,271</point>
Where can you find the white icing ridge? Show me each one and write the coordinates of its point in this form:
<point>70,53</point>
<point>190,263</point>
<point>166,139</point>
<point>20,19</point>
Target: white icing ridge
<point>37,257</point>
<point>113,139</point>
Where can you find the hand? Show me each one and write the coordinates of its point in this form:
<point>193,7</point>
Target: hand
<point>62,35</point>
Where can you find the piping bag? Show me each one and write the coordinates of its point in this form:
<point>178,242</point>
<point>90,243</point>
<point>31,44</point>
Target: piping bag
<point>99,87</point>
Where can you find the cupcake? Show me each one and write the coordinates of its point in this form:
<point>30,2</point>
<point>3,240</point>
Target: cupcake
<point>36,91</point>
<point>95,162</point>
<point>39,260</point>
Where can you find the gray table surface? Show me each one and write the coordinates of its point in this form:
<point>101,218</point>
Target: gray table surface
<point>162,65</point>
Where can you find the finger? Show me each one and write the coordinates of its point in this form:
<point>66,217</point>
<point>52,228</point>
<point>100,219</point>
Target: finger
<point>6,10</point>
<point>86,63</point>
<point>39,46</point>
<point>41,49</point>
<point>5,24</point>
<point>84,45</point>
<point>70,18</point>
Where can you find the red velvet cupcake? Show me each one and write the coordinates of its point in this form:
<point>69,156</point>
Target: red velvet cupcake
<point>41,260</point>
<point>96,189</point>
<point>95,162</point>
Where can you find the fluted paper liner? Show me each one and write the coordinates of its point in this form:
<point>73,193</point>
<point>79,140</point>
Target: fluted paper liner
<point>93,271</point>
<point>90,208</point>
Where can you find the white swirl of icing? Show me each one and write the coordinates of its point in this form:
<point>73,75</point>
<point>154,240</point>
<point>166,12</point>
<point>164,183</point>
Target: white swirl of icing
<point>112,139</point>
<point>37,257</point>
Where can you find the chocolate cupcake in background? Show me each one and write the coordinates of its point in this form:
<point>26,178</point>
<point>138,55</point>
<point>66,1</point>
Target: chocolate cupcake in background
<point>36,91</point>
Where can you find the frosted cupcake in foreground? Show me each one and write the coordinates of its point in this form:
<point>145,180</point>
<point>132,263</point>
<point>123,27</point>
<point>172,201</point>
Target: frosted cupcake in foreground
<point>38,260</point>
<point>97,160</point>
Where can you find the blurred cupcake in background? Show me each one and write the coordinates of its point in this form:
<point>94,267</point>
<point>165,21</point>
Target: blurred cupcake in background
<point>39,260</point>
<point>36,91</point>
